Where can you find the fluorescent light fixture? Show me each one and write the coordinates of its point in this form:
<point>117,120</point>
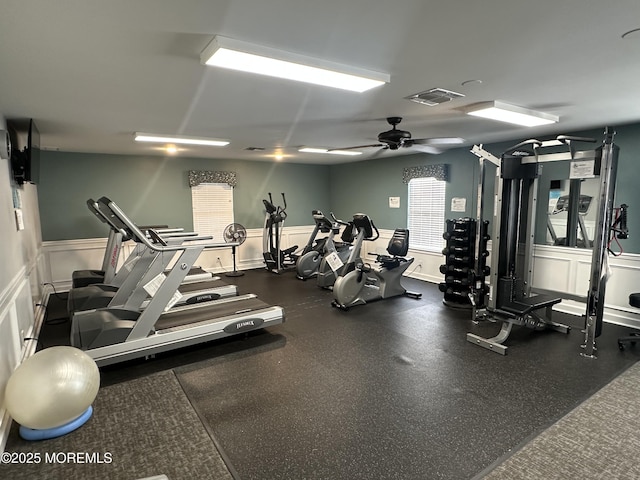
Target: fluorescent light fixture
<point>504,112</point>
<point>238,55</point>
<point>330,152</point>
<point>181,139</point>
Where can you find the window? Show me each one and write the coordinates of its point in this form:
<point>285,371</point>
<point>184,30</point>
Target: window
<point>426,213</point>
<point>212,205</point>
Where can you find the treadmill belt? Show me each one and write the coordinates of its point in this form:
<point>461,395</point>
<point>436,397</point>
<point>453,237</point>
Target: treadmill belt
<point>211,312</point>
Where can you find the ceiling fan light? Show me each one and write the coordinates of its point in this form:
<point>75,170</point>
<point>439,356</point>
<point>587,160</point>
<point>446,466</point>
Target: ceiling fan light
<point>238,55</point>
<point>505,112</point>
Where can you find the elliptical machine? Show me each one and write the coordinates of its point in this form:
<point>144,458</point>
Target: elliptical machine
<point>276,259</point>
<point>362,283</point>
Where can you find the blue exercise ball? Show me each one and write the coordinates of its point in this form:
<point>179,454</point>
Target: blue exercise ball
<point>52,388</point>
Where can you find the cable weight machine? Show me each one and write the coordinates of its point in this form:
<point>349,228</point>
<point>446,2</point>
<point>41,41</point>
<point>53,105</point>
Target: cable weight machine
<point>510,298</point>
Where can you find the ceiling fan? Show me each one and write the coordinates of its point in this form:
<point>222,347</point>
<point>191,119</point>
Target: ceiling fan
<point>395,138</point>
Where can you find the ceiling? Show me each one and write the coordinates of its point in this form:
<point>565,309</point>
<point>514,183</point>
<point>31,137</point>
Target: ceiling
<point>91,73</point>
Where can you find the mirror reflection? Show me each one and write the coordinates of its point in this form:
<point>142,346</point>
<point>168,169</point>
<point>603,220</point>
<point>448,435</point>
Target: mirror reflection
<point>571,213</point>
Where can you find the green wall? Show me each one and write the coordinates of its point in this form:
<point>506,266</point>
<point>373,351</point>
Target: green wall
<point>366,186</point>
<point>155,190</point>
<point>627,185</point>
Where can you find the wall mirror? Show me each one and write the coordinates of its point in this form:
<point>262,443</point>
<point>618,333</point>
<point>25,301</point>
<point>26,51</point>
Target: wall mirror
<point>571,212</point>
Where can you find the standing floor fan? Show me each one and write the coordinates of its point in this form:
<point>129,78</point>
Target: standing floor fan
<point>234,233</point>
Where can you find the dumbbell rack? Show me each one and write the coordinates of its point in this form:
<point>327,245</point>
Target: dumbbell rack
<point>465,266</point>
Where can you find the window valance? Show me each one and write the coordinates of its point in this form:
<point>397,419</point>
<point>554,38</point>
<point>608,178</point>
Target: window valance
<point>196,177</point>
<point>439,172</point>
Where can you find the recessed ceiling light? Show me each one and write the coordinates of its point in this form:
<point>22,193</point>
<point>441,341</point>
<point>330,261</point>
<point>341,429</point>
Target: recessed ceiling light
<point>505,112</point>
<point>278,154</point>
<point>330,152</point>
<point>181,139</point>
<point>238,55</point>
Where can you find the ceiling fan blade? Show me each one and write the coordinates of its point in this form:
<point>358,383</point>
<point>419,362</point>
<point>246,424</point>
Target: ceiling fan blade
<point>359,146</point>
<point>377,153</point>
<point>439,141</point>
<point>426,149</point>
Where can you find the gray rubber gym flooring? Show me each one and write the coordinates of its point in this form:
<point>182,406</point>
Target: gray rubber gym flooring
<point>383,391</point>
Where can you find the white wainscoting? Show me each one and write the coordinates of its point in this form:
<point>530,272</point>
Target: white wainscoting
<point>21,314</point>
<point>555,268</point>
<point>63,257</point>
<point>567,270</point>
<point>425,266</point>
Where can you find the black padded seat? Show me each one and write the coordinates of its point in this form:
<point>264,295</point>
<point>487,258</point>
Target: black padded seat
<point>632,338</point>
<point>83,278</point>
<point>527,305</point>
<point>389,262</point>
<point>399,242</point>
<point>398,247</point>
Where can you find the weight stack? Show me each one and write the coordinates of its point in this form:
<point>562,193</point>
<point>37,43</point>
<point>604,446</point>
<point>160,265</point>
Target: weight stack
<point>460,278</point>
<point>480,287</point>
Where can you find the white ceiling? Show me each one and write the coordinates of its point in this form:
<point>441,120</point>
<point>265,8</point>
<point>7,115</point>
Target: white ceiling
<point>92,72</point>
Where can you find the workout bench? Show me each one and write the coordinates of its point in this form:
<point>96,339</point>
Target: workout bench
<point>521,312</point>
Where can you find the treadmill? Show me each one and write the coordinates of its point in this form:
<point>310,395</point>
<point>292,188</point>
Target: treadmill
<point>115,334</point>
<point>198,286</point>
<point>83,278</point>
<point>107,272</point>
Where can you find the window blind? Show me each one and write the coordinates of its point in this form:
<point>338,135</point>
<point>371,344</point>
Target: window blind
<point>426,207</point>
<point>212,205</point>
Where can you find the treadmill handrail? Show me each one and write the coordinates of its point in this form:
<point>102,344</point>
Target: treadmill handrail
<point>163,232</point>
<point>175,234</point>
<point>94,208</point>
<point>142,238</point>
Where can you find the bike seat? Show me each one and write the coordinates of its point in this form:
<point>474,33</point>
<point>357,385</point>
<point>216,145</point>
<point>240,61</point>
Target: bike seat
<point>389,262</point>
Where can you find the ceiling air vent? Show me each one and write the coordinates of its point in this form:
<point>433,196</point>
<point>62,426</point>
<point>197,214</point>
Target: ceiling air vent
<point>434,97</point>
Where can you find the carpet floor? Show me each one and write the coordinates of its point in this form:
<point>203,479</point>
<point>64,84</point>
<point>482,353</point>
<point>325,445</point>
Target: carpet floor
<point>140,428</point>
<point>599,439</point>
